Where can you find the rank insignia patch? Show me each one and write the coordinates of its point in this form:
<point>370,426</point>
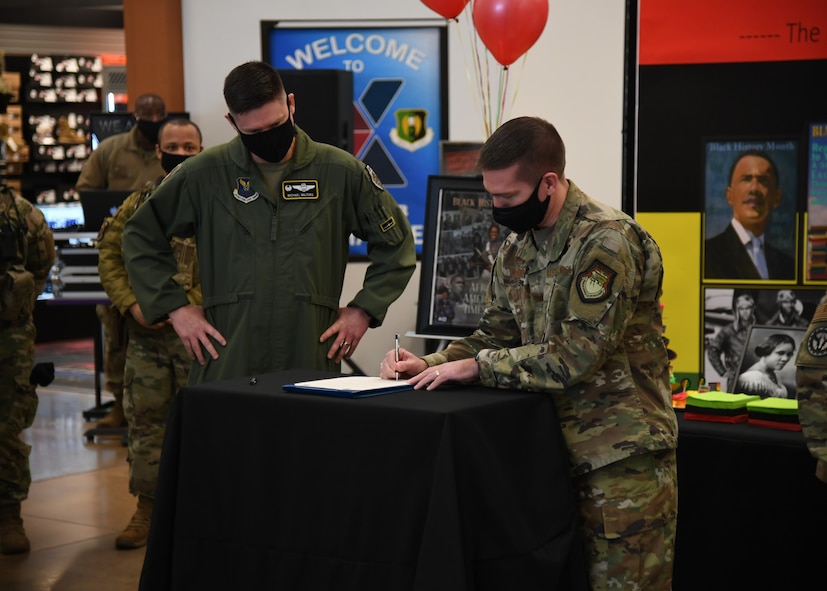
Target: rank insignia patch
<point>595,283</point>
<point>817,342</point>
<point>299,190</point>
<point>244,190</point>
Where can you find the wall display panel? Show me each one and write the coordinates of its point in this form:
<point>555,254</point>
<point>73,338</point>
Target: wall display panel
<point>747,74</point>
<point>400,95</point>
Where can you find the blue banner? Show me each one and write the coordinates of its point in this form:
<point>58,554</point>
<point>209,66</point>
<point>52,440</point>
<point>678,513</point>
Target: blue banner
<point>399,87</point>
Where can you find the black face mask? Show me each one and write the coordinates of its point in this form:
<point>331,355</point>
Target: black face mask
<point>271,144</point>
<point>525,216</point>
<point>149,129</point>
<point>169,161</point>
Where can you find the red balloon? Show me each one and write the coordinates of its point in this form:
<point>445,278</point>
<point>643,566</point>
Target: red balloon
<point>508,28</point>
<point>447,8</point>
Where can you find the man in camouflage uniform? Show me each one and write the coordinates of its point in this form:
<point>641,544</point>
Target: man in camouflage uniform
<point>811,381</point>
<point>28,251</point>
<point>157,364</point>
<point>124,161</point>
<point>573,310</point>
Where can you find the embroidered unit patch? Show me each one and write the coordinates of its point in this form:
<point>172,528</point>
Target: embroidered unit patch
<point>244,190</point>
<point>374,178</point>
<point>817,342</point>
<point>595,283</point>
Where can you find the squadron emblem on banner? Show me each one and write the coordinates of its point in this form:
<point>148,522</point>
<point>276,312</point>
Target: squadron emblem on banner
<point>411,132</point>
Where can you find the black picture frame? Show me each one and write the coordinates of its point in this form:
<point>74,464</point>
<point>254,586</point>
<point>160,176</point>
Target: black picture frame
<point>761,340</point>
<point>459,244</point>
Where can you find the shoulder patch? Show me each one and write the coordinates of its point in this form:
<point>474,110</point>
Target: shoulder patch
<point>817,342</point>
<point>595,283</point>
<point>374,178</point>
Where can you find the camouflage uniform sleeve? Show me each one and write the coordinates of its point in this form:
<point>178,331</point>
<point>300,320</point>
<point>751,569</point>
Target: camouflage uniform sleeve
<point>111,266</point>
<point>40,254</point>
<point>811,385</point>
<point>578,341</point>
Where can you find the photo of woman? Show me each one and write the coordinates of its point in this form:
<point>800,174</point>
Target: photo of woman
<point>762,378</point>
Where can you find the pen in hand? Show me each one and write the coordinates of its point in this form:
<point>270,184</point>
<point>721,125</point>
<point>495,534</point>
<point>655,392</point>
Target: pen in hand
<point>396,351</point>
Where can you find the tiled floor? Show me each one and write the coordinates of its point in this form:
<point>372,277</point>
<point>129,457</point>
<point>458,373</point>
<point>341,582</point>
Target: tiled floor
<point>79,499</point>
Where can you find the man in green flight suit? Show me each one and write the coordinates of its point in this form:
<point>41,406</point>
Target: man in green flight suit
<point>271,212</point>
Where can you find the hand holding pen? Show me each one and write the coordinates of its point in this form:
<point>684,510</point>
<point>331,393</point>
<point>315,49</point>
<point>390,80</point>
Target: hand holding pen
<point>408,364</point>
<point>396,355</point>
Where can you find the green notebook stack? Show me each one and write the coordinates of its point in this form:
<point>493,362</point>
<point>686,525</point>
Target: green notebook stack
<point>775,413</point>
<point>719,407</point>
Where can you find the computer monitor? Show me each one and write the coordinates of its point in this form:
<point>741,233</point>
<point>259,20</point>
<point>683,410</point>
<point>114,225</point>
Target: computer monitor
<point>98,205</point>
<point>63,217</point>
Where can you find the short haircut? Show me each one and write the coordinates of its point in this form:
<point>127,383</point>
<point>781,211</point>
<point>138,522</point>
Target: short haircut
<point>252,85</point>
<point>180,122</point>
<point>532,143</point>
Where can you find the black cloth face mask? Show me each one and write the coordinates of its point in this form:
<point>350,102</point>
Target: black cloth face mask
<point>149,129</point>
<point>271,144</point>
<point>169,160</point>
<point>525,216</point>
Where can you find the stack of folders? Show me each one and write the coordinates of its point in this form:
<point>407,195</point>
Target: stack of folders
<point>719,407</point>
<point>775,413</point>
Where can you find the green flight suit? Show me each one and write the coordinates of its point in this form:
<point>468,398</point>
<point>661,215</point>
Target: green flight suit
<point>272,259</point>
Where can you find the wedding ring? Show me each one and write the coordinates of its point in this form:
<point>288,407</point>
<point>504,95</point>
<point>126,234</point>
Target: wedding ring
<point>437,373</point>
<point>342,344</point>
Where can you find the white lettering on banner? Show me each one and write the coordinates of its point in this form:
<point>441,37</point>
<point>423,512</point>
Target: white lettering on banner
<point>356,43</point>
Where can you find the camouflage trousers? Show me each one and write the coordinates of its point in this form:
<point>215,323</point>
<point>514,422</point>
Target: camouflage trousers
<point>157,366</point>
<point>18,405</point>
<point>114,347</point>
<point>629,511</point>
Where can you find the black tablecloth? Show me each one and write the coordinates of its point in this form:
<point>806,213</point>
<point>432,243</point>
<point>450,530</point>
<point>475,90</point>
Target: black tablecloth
<point>464,488</point>
<point>752,514</point>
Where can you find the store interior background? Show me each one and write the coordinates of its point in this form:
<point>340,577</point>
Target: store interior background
<point>573,76</point>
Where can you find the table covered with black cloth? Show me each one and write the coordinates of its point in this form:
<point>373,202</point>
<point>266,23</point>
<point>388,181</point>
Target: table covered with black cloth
<point>751,513</point>
<point>460,488</point>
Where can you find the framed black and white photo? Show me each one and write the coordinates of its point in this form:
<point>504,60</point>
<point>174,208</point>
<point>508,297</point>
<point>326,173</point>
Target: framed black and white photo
<point>767,367</point>
<point>460,244</point>
<point>730,313</point>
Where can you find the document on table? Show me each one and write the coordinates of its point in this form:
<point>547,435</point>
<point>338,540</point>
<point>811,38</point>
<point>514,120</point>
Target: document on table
<point>349,386</point>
